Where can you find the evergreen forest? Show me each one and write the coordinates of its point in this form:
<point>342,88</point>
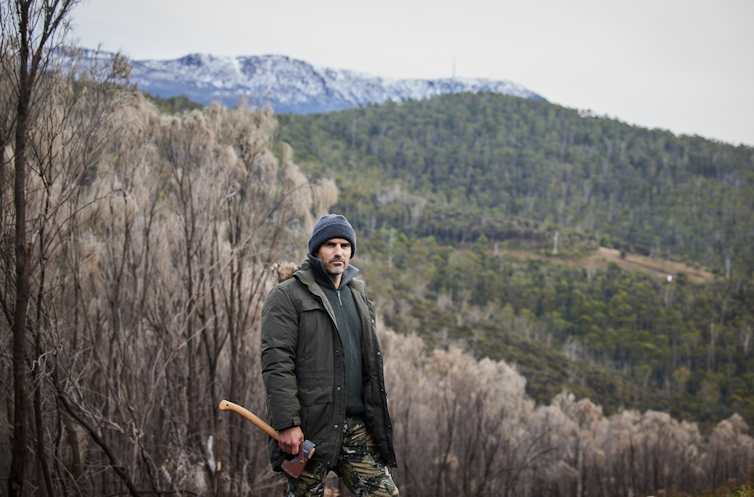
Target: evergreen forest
<point>459,198</point>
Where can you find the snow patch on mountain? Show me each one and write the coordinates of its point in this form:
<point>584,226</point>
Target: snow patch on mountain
<point>292,85</point>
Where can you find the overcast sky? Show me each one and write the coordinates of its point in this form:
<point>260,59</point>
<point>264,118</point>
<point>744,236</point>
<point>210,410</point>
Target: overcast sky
<point>682,65</point>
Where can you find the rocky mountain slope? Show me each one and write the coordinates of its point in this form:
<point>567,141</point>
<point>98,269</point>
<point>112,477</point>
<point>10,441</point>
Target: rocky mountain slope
<point>292,85</point>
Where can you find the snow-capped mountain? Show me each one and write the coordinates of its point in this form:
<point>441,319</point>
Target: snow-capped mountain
<point>291,85</point>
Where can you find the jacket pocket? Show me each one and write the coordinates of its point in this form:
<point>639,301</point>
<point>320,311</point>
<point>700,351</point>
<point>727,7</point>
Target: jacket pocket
<point>311,395</point>
<point>317,336</point>
<point>316,407</point>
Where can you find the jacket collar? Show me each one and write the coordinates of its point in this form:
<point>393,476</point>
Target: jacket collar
<point>305,274</point>
<point>321,274</point>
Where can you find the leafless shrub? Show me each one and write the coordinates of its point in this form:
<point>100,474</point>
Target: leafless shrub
<point>466,427</point>
<point>154,235</point>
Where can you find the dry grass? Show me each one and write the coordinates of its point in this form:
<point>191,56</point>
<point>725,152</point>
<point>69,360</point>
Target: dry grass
<point>601,257</point>
<point>657,267</point>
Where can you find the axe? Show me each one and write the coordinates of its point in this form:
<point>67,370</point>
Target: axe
<point>305,451</point>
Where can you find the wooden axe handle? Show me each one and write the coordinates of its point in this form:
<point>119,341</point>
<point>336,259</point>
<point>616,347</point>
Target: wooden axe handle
<point>230,406</point>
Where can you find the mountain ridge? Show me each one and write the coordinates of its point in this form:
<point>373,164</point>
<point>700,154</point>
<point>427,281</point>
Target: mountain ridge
<point>293,85</point>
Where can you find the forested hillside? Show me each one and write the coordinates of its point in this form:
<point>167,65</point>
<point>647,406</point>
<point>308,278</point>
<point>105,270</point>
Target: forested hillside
<point>443,189</point>
<point>460,165</point>
<point>153,233</point>
<point>620,338</point>
<point>137,236</point>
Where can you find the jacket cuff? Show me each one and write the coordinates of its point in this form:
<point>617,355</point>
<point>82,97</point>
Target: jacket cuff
<point>292,424</point>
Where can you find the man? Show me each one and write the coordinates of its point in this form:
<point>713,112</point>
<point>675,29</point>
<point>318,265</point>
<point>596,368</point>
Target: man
<point>322,368</point>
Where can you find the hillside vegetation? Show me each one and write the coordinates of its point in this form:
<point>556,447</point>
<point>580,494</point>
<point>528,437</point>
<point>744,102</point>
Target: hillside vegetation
<point>149,267</point>
<point>449,192</point>
<point>460,165</point>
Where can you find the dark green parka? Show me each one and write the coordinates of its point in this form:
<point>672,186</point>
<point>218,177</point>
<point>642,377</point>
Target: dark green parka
<point>304,368</point>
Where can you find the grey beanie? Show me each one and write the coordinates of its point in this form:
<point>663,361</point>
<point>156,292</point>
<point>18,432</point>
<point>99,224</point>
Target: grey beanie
<point>332,226</point>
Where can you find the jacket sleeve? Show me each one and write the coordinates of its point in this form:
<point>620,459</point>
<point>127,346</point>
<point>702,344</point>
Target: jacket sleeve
<point>279,343</point>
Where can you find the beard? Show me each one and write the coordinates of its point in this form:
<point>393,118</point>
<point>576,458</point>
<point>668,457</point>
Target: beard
<point>335,270</point>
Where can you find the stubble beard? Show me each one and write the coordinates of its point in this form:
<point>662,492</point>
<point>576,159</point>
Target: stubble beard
<point>334,271</point>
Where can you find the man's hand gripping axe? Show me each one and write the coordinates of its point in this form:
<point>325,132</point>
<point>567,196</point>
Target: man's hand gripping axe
<point>305,451</point>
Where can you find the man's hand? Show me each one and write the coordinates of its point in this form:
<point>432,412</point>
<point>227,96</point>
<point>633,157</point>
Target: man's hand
<point>290,439</point>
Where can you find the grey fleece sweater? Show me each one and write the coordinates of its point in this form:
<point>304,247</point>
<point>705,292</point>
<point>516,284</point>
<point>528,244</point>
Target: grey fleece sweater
<point>349,327</point>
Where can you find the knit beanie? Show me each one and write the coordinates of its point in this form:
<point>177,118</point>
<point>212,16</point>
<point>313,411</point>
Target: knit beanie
<point>329,227</point>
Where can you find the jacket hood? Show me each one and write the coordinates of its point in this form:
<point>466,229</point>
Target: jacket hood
<point>282,271</point>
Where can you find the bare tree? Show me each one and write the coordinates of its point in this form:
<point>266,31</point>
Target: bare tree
<point>31,30</point>
<point>160,290</point>
<point>466,427</point>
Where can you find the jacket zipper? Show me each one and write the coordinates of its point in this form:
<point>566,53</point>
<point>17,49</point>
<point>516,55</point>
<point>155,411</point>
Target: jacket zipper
<point>341,302</point>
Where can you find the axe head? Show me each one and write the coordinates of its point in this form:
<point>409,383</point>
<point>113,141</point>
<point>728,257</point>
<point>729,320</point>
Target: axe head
<point>295,466</point>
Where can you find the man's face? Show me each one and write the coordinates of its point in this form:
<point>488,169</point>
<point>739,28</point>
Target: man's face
<point>335,254</point>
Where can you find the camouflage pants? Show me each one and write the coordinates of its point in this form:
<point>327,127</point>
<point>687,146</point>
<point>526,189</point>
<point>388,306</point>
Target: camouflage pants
<point>359,466</point>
